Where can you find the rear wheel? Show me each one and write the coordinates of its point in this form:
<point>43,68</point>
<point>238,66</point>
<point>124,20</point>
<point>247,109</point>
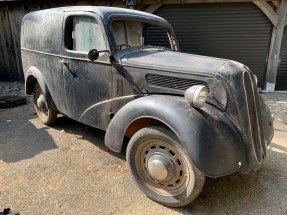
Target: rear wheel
<point>45,114</point>
<point>162,168</point>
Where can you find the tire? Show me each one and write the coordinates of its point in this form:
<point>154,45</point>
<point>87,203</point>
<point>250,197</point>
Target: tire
<point>46,115</point>
<point>162,168</point>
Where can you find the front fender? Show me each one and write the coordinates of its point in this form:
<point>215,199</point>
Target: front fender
<point>267,121</point>
<point>212,142</point>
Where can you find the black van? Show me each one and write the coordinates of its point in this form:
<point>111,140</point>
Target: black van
<point>185,116</point>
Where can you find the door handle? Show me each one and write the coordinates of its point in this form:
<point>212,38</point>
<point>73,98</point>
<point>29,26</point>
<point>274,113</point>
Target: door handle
<point>63,61</point>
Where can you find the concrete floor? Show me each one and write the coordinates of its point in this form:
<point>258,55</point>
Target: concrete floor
<point>66,169</point>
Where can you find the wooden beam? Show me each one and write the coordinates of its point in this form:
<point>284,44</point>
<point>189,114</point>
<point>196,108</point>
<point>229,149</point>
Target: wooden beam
<point>118,4</point>
<point>275,47</point>
<point>268,11</point>
<point>276,3</point>
<point>190,1</point>
<point>152,8</point>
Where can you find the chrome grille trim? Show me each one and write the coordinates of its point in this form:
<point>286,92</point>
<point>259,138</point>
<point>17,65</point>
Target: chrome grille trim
<point>255,120</point>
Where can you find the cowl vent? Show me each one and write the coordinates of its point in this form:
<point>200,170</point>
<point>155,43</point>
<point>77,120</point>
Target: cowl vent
<point>172,82</point>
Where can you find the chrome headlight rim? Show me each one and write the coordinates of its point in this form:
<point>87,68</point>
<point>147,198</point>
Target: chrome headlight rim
<point>196,95</point>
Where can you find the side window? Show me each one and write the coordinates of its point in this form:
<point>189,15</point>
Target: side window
<point>83,33</point>
<point>156,36</point>
<point>127,32</point>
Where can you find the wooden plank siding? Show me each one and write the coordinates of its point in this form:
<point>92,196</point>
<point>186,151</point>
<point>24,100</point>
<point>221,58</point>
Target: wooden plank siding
<point>11,14</point>
<point>4,65</point>
<point>8,57</point>
<point>15,18</point>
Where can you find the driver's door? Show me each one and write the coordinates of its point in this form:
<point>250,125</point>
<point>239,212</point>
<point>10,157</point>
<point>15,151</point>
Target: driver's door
<point>86,82</point>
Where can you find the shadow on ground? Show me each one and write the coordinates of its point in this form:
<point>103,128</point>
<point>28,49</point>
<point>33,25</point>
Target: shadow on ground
<point>261,192</point>
<point>252,193</point>
<point>19,138</point>
<point>85,132</point>
<point>22,136</point>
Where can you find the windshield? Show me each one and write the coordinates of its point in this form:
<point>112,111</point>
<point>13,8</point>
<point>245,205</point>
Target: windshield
<point>129,34</point>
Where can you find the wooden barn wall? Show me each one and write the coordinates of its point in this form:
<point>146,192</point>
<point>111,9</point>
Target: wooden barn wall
<point>8,66</point>
<point>11,14</point>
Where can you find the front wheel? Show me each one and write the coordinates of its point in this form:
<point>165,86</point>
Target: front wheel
<point>162,168</point>
<point>45,114</point>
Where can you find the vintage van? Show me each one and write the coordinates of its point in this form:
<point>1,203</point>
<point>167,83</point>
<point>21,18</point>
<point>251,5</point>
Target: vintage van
<point>185,116</point>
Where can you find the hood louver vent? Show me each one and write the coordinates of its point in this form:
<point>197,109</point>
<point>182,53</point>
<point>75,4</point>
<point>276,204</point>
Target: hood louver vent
<point>172,82</point>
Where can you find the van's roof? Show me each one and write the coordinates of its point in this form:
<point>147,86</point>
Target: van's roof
<point>107,13</point>
<point>42,30</point>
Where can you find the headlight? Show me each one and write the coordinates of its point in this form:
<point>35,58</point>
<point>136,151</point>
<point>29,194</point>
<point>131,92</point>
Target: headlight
<point>196,95</point>
<point>256,79</point>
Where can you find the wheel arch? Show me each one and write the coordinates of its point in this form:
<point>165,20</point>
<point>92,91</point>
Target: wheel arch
<point>200,134</point>
<point>34,76</point>
<point>142,122</point>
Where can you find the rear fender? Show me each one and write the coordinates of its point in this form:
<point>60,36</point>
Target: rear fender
<point>34,74</point>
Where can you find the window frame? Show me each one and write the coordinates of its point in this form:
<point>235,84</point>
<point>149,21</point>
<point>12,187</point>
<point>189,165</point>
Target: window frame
<point>170,34</point>
<point>66,53</point>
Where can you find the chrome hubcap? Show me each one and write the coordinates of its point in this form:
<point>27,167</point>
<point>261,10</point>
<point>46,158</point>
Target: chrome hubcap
<point>160,167</point>
<point>42,103</point>
<point>163,167</point>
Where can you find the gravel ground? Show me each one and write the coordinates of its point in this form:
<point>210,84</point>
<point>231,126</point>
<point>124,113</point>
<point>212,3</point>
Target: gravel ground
<point>66,169</point>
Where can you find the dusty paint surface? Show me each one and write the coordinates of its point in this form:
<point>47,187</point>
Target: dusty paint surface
<point>66,169</point>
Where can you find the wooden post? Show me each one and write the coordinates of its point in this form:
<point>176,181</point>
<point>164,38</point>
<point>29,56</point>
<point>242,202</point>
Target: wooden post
<point>276,3</point>
<point>275,47</point>
<point>268,11</point>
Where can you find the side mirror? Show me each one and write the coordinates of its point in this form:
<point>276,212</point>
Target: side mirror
<point>93,54</point>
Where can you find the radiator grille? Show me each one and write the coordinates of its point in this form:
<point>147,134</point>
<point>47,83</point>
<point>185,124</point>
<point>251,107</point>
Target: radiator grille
<point>255,118</point>
<point>172,82</point>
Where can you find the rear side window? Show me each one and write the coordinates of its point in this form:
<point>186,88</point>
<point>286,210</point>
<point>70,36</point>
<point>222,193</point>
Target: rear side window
<point>83,33</point>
